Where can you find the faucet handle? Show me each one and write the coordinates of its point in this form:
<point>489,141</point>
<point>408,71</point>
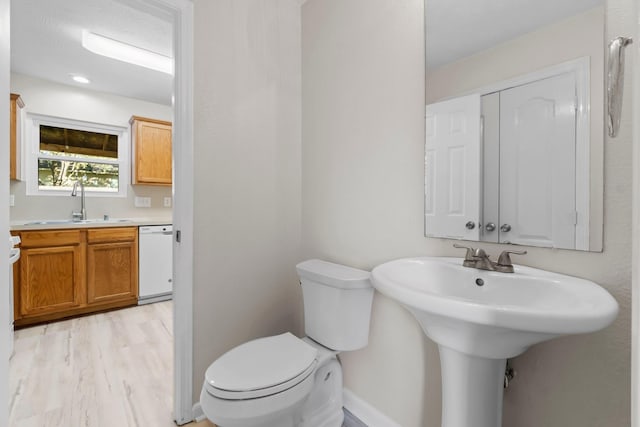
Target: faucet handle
<point>504,258</point>
<point>470,251</point>
<point>480,253</point>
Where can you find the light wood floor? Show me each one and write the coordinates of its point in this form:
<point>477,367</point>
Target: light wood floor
<point>202,424</point>
<point>112,369</point>
<point>107,370</point>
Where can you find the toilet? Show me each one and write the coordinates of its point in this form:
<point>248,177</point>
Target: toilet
<point>286,381</point>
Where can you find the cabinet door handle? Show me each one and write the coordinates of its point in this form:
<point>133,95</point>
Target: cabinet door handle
<point>505,228</point>
<point>490,227</point>
<point>470,225</point>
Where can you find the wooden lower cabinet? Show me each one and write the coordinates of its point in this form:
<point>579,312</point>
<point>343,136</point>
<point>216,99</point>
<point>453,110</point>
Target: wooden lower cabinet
<point>50,279</point>
<point>112,265</point>
<point>63,273</point>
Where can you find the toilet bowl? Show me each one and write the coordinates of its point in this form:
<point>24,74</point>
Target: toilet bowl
<point>286,381</point>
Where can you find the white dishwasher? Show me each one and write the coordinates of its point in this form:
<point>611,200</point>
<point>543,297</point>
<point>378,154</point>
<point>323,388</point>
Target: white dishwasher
<point>155,263</point>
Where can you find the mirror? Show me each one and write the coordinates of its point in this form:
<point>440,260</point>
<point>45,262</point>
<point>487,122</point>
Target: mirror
<point>515,122</point>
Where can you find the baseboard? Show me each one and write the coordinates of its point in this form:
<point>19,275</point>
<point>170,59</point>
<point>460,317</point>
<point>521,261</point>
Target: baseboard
<point>155,298</point>
<point>362,410</point>
<point>365,412</point>
<point>198,414</point>
<point>351,420</point>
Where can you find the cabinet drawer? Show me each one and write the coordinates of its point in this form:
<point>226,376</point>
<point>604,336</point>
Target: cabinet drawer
<point>124,234</point>
<point>50,238</point>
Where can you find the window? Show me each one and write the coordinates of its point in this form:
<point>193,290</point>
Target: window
<point>63,151</point>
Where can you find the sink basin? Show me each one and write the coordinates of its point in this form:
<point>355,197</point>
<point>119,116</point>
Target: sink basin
<point>70,221</point>
<point>60,221</point>
<point>480,318</point>
<point>510,311</point>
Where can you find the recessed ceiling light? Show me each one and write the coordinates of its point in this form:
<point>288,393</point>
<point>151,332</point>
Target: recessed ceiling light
<point>125,52</point>
<point>80,79</point>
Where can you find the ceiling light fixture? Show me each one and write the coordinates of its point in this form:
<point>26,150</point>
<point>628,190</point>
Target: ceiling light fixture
<point>80,79</point>
<point>125,52</point>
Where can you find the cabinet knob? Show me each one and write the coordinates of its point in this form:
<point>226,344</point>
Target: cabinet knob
<point>490,227</point>
<point>470,225</point>
<point>505,228</point>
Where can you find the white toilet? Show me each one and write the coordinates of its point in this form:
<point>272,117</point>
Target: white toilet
<point>285,381</point>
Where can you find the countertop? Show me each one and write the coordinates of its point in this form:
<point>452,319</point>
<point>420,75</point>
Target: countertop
<point>34,224</point>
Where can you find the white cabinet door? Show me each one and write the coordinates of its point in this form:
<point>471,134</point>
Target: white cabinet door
<point>452,168</point>
<point>537,163</point>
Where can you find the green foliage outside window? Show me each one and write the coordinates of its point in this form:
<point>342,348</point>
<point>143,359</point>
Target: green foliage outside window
<point>57,173</point>
<point>70,155</point>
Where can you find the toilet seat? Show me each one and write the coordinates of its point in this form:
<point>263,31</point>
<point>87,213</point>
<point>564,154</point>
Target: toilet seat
<point>261,367</point>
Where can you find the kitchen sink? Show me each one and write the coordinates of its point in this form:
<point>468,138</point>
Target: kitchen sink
<point>84,221</point>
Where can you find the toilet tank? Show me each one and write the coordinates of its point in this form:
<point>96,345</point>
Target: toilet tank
<point>337,304</point>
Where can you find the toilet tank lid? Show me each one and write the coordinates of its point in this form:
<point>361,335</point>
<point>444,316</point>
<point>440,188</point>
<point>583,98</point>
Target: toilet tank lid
<point>335,275</point>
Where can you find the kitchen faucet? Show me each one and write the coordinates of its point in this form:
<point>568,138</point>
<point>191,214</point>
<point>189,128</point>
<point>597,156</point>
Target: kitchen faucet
<point>82,215</point>
<point>478,258</point>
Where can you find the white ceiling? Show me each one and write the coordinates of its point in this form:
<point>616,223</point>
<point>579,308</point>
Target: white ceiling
<point>46,42</point>
<point>46,37</point>
<point>456,29</point>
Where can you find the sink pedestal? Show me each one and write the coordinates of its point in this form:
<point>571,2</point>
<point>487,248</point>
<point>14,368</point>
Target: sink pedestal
<point>472,389</point>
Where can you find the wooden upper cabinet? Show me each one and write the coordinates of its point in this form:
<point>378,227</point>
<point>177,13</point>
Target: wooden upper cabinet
<point>151,151</point>
<point>15,106</point>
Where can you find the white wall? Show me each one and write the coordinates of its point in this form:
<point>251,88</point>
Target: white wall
<point>572,38</point>
<point>53,99</point>
<point>362,186</point>
<point>247,174</point>
<point>362,180</point>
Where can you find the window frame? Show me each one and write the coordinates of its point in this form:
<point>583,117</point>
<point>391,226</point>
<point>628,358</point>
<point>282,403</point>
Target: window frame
<point>33,123</point>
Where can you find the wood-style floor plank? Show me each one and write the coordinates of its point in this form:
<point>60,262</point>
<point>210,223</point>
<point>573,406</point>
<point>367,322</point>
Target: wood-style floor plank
<point>112,369</point>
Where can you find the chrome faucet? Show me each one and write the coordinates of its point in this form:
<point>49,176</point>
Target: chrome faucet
<point>478,258</point>
<point>82,215</point>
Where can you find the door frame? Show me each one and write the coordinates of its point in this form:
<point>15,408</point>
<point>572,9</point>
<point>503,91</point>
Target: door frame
<point>4,211</point>
<point>181,13</point>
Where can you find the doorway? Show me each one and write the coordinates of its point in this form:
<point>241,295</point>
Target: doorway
<point>180,14</point>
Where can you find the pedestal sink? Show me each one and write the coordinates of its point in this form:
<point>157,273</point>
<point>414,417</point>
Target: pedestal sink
<point>480,318</point>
